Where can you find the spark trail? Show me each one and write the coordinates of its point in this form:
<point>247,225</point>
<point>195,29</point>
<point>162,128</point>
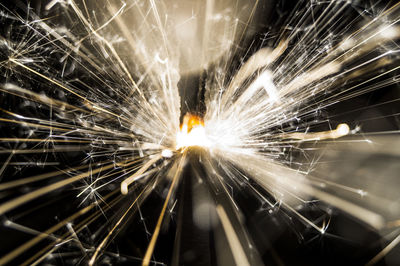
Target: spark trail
<point>94,150</point>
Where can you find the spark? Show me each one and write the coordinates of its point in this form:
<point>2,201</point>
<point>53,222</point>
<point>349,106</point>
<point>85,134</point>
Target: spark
<point>192,133</point>
<point>91,97</point>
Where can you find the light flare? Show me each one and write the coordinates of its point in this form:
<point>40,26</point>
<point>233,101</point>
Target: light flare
<point>192,133</point>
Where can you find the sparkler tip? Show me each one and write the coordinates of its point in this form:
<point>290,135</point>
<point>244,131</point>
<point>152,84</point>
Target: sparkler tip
<point>192,133</point>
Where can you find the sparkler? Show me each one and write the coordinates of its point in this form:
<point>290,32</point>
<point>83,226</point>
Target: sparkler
<point>91,132</point>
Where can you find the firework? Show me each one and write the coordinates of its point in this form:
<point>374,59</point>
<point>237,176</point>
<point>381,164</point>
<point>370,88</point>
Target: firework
<point>171,132</point>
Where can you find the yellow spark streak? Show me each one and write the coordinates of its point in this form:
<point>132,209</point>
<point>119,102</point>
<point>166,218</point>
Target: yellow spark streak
<point>135,176</point>
<point>11,184</point>
<point>13,89</point>
<point>307,221</point>
<point>62,140</point>
<point>125,169</point>
<point>62,148</point>
<point>309,77</point>
<point>5,164</point>
<point>373,219</point>
<point>260,59</point>
<point>233,240</point>
<point>94,129</point>
<point>47,78</point>
<point>264,80</point>
<point>130,40</point>
<point>132,43</point>
<point>115,15</point>
<point>33,124</point>
<point>206,31</point>
<point>253,10</point>
<point>88,103</point>
<point>72,48</point>
<point>274,176</point>
<point>44,190</point>
<point>121,63</point>
<point>80,226</point>
<point>355,86</point>
<point>93,259</point>
<point>45,234</point>
<point>384,252</point>
<point>150,248</point>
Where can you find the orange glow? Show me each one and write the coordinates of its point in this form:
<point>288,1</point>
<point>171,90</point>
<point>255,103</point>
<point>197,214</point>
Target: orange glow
<point>191,121</point>
<point>192,132</point>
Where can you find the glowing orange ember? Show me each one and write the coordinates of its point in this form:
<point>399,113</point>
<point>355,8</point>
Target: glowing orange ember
<point>191,121</point>
<point>192,132</point>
